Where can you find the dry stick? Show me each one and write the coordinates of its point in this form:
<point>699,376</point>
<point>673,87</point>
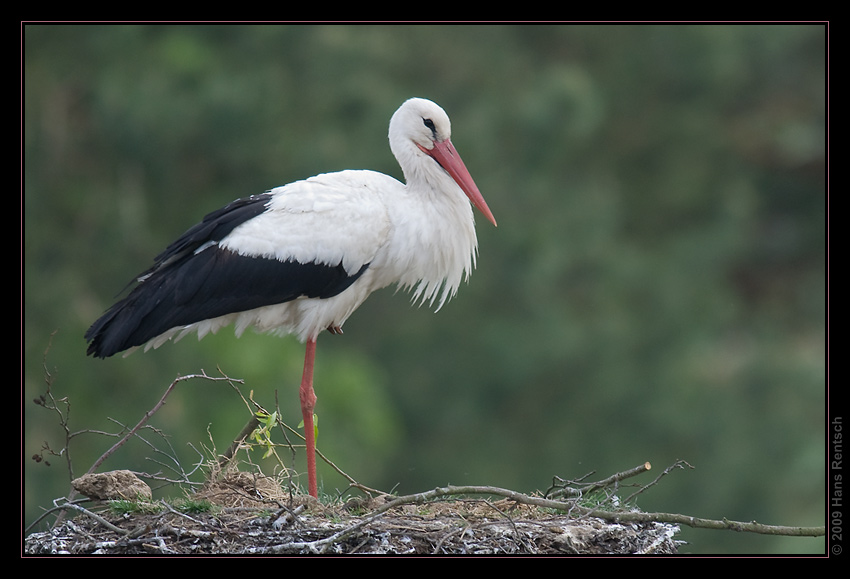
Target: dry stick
<point>63,418</point>
<point>351,482</point>
<point>61,508</point>
<point>690,521</point>
<point>141,423</point>
<point>150,413</point>
<point>97,518</point>
<point>250,427</point>
<point>613,479</point>
<point>322,545</point>
<point>639,517</point>
<point>254,423</point>
<point>677,464</point>
<point>616,478</point>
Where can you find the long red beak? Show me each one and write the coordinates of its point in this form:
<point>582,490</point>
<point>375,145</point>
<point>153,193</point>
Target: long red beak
<point>446,155</point>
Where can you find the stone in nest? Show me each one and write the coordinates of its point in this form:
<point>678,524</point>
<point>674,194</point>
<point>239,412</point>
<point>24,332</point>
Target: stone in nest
<point>114,485</point>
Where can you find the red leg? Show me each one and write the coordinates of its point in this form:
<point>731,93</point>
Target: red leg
<point>308,403</point>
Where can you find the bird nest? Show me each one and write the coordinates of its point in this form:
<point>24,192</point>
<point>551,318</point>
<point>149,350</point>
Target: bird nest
<point>250,515</point>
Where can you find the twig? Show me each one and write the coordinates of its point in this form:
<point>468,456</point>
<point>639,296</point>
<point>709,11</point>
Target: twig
<point>96,517</point>
<point>616,478</point>
<point>254,423</point>
<point>321,545</point>
<point>665,472</point>
<point>588,488</point>
<point>64,418</point>
<point>246,431</point>
<point>150,413</point>
<point>72,493</point>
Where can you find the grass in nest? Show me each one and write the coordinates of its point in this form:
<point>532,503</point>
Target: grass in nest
<point>187,506</point>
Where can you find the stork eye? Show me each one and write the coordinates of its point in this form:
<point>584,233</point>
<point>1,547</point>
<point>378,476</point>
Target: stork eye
<point>430,124</point>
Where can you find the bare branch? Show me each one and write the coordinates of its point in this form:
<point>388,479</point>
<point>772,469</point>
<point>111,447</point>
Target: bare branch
<point>566,506</point>
<point>151,412</point>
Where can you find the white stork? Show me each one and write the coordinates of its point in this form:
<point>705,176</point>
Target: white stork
<point>301,258</point>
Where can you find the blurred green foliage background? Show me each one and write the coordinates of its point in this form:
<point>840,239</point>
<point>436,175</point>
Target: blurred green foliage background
<point>655,289</point>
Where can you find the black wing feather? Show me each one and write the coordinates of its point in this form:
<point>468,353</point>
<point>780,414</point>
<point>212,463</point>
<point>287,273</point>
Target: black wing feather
<point>195,280</point>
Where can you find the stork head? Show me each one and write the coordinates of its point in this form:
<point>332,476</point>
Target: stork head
<point>420,132</point>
